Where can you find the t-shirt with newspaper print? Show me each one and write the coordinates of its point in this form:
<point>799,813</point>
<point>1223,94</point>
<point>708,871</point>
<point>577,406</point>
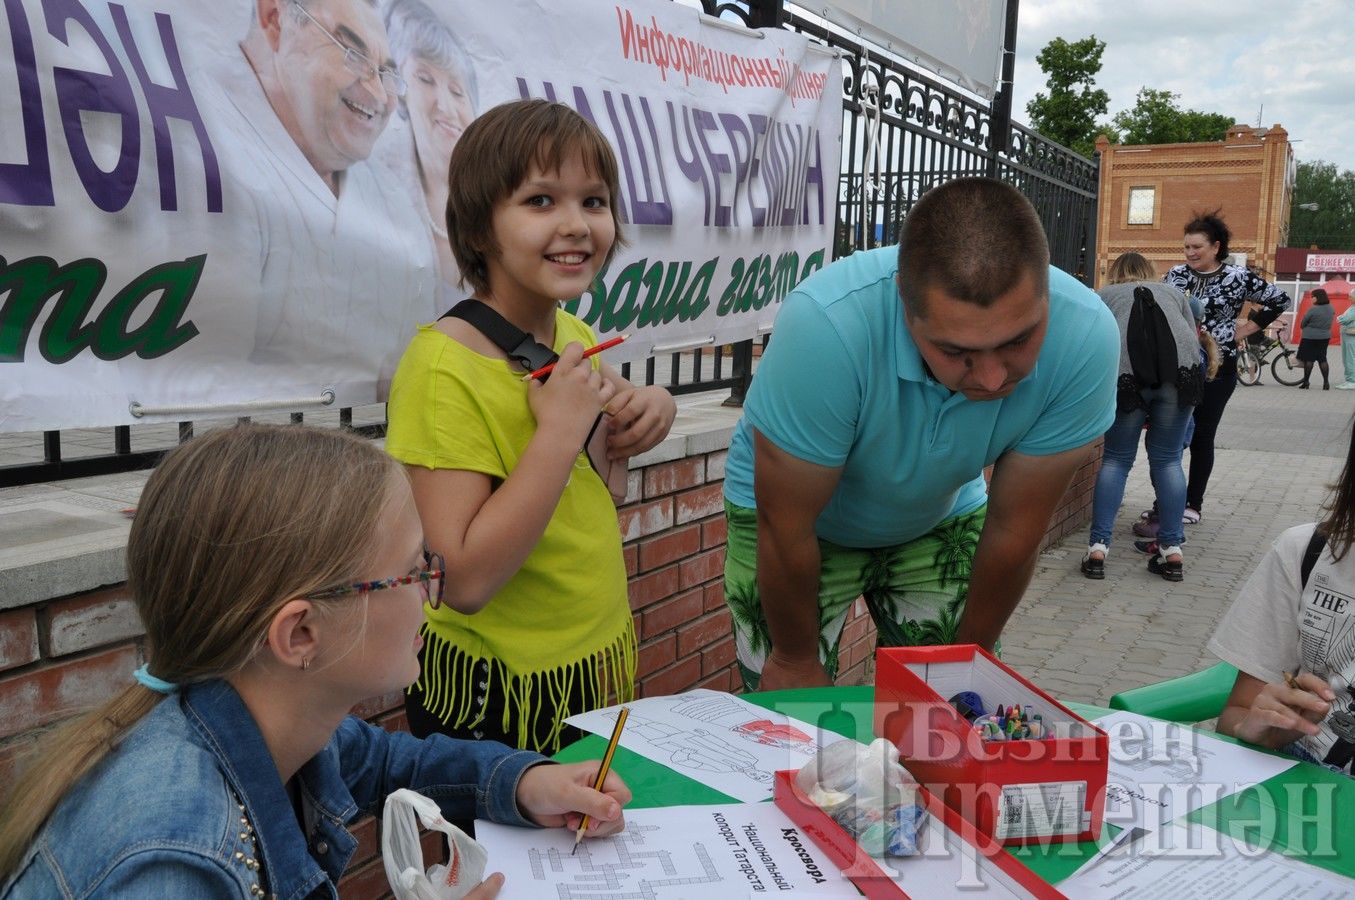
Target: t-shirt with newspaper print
<point>1277,626</point>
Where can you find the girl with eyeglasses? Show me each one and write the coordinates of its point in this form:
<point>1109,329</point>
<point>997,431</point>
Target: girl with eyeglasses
<point>281,576</point>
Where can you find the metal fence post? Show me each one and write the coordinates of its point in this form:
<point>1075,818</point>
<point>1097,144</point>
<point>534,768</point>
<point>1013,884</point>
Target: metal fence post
<point>1000,121</point>
<point>764,13</point>
<point>743,373</point>
<point>1089,260</point>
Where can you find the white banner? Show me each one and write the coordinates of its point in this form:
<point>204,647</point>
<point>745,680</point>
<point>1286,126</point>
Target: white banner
<point>960,41</point>
<point>1331,262</point>
<point>208,206</point>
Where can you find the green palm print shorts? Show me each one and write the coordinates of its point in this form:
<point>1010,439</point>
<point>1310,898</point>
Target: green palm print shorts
<point>915,591</point>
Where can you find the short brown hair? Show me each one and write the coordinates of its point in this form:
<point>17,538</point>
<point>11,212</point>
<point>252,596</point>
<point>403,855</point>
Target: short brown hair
<point>973,238</point>
<point>1129,267</point>
<point>493,158</point>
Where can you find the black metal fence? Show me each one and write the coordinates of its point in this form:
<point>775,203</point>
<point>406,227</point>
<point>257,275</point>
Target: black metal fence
<point>903,132</point>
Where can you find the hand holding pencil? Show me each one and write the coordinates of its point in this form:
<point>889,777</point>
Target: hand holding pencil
<point>604,768</point>
<point>1273,714</point>
<point>566,406</point>
<point>1306,700</point>
<point>556,796</point>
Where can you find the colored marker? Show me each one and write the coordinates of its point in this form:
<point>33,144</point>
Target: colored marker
<point>591,351</point>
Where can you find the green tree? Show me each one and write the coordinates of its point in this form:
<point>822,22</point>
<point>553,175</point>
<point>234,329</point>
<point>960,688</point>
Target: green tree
<point>1156,118</point>
<point>1332,225</point>
<point>1067,113</point>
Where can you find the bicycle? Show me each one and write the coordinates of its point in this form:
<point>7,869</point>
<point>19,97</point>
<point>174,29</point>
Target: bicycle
<point>1260,349</point>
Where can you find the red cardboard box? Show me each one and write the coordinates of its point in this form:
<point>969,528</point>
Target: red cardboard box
<point>1022,791</point>
<point>954,857</point>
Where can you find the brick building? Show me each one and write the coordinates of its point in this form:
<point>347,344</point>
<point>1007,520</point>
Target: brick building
<point>1148,192</point>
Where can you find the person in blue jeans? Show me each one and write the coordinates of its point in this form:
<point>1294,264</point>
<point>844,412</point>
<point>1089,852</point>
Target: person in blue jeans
<point>1160,381</point>
<point>281,576</point>
<point>1210,359</point>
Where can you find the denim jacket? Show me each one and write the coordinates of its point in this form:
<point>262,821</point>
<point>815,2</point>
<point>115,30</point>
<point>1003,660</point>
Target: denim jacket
<point>190,804</point>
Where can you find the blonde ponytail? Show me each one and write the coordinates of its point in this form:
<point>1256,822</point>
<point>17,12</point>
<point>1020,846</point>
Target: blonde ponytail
<point>66,755</point>
<point>230,526</point>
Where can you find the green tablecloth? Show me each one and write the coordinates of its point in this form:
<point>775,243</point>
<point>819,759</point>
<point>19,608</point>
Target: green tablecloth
<point>1307,811</point>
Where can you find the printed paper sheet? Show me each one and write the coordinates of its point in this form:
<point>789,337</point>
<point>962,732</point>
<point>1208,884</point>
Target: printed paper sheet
<point>713,737</point>
<point>1160,771</point>
<point>1188,862</point>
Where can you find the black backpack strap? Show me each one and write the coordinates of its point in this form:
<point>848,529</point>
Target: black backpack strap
<point>520,346</point>
<point>1310,555</point>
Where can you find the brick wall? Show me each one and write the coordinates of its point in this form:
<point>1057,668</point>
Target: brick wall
<point>62,655</point>
<point>1075,509</point>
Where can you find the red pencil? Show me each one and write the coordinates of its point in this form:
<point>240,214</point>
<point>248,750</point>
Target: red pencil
<point>605,345</point>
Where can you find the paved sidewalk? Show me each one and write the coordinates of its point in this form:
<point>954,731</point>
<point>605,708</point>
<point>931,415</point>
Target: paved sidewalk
<point>1278,449</point>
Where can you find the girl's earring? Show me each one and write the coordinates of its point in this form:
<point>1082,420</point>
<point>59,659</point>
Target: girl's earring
<point>305,663</point>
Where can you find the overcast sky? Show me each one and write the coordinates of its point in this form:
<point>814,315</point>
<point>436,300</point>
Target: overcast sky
<point>1220,57</point>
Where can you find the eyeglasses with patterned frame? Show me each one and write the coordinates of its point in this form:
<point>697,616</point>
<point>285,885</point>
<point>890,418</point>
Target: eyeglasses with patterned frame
<point>434,571</point>
<point>357,62</point>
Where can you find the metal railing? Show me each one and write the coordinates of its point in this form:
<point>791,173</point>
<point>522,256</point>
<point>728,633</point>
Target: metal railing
<point>903,133</point>
<point>685,372</point>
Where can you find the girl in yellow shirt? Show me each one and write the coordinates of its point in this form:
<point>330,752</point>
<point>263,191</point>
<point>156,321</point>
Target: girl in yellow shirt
<point>536,625</point>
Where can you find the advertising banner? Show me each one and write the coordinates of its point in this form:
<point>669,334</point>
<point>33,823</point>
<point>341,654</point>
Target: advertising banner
<point>960,41</point>
<point>213,209</point>
<point>1331,262</point>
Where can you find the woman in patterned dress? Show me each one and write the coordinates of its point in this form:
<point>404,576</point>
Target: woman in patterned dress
<point>1223,288</point>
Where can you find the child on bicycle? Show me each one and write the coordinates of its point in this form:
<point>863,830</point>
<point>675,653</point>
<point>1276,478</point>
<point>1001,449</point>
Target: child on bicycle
<point>281,576</point>
<point>537,625</point>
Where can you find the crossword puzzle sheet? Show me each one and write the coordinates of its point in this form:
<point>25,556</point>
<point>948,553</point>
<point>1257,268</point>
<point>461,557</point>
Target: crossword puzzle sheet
<point>666,854</point>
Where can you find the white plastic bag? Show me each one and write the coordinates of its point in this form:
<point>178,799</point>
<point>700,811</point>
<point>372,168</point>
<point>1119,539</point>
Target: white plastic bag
<point>868,773</point>
<point>402,854</point>
<point>867,792</point>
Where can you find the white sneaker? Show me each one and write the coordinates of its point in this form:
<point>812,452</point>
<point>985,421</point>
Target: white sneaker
<point>1346,386</point>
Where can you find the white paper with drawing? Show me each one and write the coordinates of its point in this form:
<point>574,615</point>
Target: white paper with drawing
<point>1160,771</point>
<point>664,854</point>
<point>713,737</point>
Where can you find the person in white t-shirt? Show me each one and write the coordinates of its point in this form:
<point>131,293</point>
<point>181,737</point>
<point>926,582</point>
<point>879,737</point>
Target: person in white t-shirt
<point>1293,640</point>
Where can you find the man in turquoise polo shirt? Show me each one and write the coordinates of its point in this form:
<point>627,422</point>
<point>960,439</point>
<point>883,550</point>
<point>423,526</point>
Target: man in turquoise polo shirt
<point>893,378</point>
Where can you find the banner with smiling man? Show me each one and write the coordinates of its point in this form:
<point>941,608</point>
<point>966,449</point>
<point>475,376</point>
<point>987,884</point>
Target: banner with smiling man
<point>213,209</point>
